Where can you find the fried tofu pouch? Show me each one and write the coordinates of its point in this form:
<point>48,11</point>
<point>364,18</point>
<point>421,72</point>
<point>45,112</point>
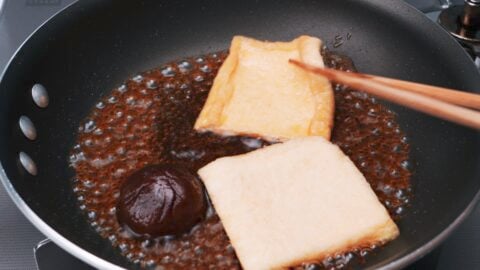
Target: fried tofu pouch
<point>295,202</point>
<point>257,92</point>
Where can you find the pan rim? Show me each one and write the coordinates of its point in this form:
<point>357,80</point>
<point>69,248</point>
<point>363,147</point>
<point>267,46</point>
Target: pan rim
<point>98,262</point>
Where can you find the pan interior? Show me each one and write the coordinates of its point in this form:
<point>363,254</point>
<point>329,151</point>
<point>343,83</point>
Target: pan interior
<point>93,46</point>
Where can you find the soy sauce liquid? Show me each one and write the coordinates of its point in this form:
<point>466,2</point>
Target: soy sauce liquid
<point>149,120</point>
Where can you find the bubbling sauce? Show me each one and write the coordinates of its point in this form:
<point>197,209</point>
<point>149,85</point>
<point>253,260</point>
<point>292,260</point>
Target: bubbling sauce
<point>149,120</point>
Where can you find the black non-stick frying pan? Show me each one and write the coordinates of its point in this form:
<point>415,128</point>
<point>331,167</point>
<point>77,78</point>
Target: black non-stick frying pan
<point>92,46</point>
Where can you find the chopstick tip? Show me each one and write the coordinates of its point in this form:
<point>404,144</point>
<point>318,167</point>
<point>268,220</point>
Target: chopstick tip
<point>293,61</point>
<point>299,63</point>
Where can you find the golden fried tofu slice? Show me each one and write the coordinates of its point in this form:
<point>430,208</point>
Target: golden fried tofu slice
<point>258,92</point>
<point>298,201</point>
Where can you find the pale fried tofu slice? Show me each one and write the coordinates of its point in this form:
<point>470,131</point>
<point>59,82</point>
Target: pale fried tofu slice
<point>257,92</point>
<point>299,201</point>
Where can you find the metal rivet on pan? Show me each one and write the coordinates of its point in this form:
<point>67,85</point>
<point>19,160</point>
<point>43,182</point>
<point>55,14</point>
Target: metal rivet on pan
<point>27,163</point>
<point>27,127</point>
<point>40,95</point>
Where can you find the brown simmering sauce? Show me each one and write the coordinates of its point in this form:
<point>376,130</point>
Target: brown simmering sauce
<point>149,120</point>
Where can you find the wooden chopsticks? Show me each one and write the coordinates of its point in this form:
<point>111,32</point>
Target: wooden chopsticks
<point>441,102</point>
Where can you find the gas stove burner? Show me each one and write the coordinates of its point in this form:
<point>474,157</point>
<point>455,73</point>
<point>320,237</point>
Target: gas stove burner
<point>463,21</point>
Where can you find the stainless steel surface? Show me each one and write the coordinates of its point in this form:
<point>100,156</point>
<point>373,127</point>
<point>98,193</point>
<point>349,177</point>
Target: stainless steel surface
<point>40,95</point>
<point>27,127</point>
<point>18,236</point>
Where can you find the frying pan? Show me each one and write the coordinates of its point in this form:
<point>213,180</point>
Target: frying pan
<point>92,46</point>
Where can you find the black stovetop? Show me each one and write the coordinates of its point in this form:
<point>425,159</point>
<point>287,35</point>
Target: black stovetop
<point>18,18</point>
